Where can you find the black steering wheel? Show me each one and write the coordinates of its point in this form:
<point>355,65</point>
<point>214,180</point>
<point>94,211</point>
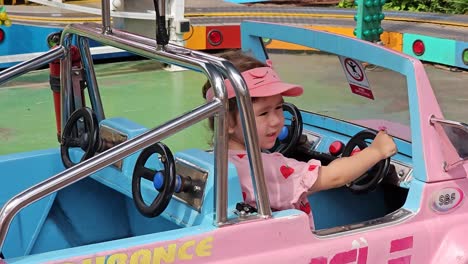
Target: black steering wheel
<point>81,130</point>
<point>291,134</point>
<point>161,201</point>
<point>371,179</point>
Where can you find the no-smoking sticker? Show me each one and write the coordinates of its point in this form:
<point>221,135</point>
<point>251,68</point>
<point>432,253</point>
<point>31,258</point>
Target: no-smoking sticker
<point>356,76</point>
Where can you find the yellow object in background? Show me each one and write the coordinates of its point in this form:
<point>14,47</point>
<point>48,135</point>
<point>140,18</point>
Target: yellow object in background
<point>4,17</point>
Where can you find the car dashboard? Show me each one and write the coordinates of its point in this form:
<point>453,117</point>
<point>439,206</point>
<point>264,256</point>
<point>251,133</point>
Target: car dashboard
<point>323,136</point>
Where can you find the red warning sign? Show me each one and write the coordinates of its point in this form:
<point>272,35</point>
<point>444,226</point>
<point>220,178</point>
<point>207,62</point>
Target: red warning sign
<point>356,76</point>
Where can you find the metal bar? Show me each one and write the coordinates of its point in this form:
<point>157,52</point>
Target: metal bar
<point>66,92</point>
<point>91,81</point>
<point>136,44</point>
<point>251,139</point>
<point>147,47</point>
<point>221,144</point>
<point>221,191</point>
<point>249,129</point>
<point>78,95</point>
<point>461,125</point>
<point>162,8</point>
<point>32,64</point>
<point>248,125</point>
<point>106,18</point>
<point>132,43</point>
<point>106,158</point>
<point>179,56</point>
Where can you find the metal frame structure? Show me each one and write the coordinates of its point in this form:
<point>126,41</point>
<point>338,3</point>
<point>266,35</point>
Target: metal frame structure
<point>216,69</point>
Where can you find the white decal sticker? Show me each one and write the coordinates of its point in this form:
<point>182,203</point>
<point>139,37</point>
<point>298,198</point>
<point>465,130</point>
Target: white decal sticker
<point>356,76</point>
<point>447,199</point>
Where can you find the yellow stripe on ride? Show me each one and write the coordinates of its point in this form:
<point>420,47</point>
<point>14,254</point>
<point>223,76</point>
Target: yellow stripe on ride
<point>55,19</point>
<point>305,15</point>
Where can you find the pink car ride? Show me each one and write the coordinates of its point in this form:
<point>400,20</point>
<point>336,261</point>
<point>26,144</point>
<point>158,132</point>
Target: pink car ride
<point>112,193</point>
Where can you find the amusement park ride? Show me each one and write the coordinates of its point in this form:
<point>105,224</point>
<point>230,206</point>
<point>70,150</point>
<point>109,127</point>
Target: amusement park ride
<point>112,192</point>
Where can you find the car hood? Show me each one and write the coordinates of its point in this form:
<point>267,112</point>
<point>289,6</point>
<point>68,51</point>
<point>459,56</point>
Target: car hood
<point>393,128</point>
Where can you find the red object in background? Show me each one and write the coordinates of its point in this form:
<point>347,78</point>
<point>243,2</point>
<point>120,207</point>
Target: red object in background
<point>54,80</point>
<point>336,148</point>
<point>215,37</point>
<point>419,47</point>
<point>75,56</point>
<point>2,35</point>
<point>230,37</point>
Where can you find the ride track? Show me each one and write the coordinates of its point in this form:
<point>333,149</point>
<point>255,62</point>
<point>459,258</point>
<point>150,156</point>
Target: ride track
<point>435,38</point>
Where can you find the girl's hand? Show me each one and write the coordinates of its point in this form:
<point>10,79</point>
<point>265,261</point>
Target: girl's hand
<point>384,145</point>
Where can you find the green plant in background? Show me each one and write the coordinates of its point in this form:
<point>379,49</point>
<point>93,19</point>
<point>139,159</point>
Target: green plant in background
<point>435,6</point>
<point>346,4</point>
<point>438,6</point>
<point>4,20</point>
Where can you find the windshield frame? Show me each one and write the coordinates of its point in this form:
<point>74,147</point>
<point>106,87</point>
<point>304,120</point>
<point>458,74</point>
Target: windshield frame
<point>422,101</point>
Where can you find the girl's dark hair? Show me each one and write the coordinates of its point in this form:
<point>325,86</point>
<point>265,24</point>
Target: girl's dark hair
<point>242,62</point>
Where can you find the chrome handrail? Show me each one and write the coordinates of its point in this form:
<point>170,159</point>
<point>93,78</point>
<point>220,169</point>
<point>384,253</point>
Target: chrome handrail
<point>32,64</point>
<point>146,47</point>
<point>139,45</point>
<point>106,158</point>
<point>130,42</point>
<point>210,65</point>
<point>248,125</point>
<point>244,104</point>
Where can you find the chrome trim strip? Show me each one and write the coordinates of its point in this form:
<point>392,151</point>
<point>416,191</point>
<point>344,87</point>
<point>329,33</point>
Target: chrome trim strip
<point>396,217</point>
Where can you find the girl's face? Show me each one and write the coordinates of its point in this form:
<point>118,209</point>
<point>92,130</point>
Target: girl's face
<point>269,120</point>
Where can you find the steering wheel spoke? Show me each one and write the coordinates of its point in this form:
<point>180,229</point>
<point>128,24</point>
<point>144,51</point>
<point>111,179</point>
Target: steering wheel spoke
<point>159,204</point>
<point>145,173</point>
<point>71,142</point>
<point>374,176</point>
<point>87,139</point>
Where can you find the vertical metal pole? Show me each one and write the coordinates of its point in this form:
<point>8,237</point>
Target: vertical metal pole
<point>162,8</point>
<point>161,24</point>
<point>221,190</point>
<point>91,81</point>
<point>249,130</point>
<point>106,18</point>
<point>66,92</point>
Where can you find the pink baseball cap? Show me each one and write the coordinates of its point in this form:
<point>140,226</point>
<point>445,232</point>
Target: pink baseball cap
<point>261,82</point>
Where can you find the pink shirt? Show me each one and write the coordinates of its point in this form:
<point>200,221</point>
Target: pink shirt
<point>288,180</point>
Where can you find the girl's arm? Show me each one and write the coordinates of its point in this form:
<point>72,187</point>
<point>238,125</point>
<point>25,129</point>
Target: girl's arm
<point>346,169</point>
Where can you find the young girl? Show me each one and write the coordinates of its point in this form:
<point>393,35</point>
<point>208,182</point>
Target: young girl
<point>288,181</point>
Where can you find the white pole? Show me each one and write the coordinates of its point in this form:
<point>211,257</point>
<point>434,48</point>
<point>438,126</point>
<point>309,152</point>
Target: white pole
<point>177,25</point>
<point>176,21</point>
